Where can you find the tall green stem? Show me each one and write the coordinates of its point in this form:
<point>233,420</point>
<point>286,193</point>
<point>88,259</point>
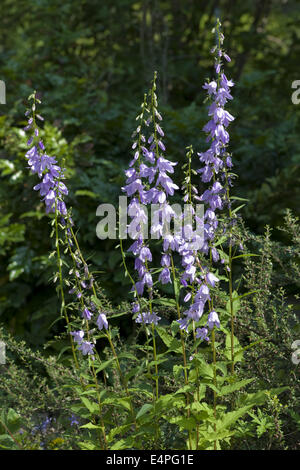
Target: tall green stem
<point>186,379</point>
<point>123,381</point>
<point>215,381</point>
<point>230,281</point>
<point>63,304</point>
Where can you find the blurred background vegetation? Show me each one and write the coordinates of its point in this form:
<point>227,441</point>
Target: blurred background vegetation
<point>92,61</point>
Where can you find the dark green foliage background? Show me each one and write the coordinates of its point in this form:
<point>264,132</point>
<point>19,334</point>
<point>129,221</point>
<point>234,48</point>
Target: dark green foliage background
<point>92,61</point>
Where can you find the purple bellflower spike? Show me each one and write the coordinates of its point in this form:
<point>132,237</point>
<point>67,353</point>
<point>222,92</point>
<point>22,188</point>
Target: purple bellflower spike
<point>147,318</point>
<point>87,314</point>
<point>217,164</point>
<point>202,334</point>
<point>148,182</point>
<point>142,318</point>
<point>87,348</point>
<point>139,176</point>
<point>165,276</point>
<point>213,320</point>
<point>102,321</point>
<point>216,158</point>
<point>51,188</point>
<point>78,336</point>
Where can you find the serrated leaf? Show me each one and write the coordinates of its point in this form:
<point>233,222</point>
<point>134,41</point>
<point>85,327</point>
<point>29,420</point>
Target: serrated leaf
<point>230,418</point>
<point>91,426</point>
<point>92,407</point>
<point>118,430</point>
<point>205,370</point>
<point>87,445</point>
<point>171,343</point>
<point>226,389</point>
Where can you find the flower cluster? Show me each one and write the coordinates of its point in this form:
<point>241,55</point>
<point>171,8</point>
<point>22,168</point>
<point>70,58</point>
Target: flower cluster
<point>148,318</point>
<point>148,182</point>
<point>164,187</point>
<point>86,347</point>
<point>217,162</point>
<point>51,188</point>
<point>82,277</point>
<point>83,281</point>
<point>136,190</point>
<point>202,295</point>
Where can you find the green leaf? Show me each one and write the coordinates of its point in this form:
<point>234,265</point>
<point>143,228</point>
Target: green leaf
<point>142,389</point>
<point>246,255</point>
<point>66,348</point>
<point>221,240</point>
<point>135,371</point>
<point>91,426</point>
<point>182,422</point>
<point>7,442</point>
<point>85,192</point>
<point>216,436</point>
<point>13,421</point>
<point>92,407</point>
<point>87,445</point>
<point>201,411</point>
<point>235,303</point>
<point>237,349</point>
<point>127,443</point>
<point>7,167</point>
<point>15,273</point>
<point>227,389</point>
<point>121,314</point>
<point>260,397</point>
<point>96,301</point>
<point>118,430</point>
<point>127,355</point>
<point>175,327</point>
<point>248,293</point>
<point>144,409</point>
<point>171,343</point>
<point>230,418</point>
<point>205,370</point>
<point>235,198</point>
<point>105,364</point>
<point>165,302</point>
<point>35,214</point>
<point>158,361</point>
<point>223,255</point>
<point>222,366</point>
<point>124,402</point>
<point>238,208</point>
